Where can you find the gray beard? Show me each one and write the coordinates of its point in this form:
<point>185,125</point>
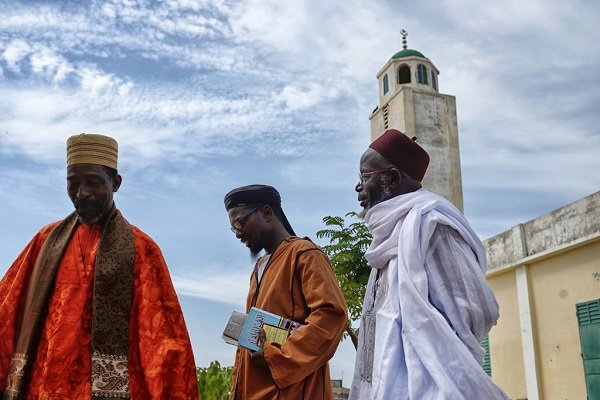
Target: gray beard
<point>361,214</point>
<point>90,221</point>
<point>386,194</point>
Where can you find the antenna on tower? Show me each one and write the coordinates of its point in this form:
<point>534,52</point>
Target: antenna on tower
<point>404,35</point>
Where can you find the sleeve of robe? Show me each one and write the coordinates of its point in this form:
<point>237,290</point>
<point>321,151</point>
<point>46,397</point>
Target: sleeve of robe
<point>458,288</point>
<point>315,342</point>
<point>13,290</point>
<point>158,340</point>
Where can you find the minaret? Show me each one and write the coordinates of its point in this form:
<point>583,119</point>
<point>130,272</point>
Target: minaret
<point>409,100</point>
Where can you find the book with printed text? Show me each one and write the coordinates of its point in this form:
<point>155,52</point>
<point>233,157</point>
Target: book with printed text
<point>277,329</point>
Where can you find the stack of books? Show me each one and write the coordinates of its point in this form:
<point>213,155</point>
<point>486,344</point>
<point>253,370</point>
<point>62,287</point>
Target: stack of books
<point>243,329</point>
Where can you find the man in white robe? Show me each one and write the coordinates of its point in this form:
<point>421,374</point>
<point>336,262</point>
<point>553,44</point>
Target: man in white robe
<point>427,305</point>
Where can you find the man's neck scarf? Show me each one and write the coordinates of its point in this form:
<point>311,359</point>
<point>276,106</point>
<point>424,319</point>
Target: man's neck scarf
<point>113,290</point>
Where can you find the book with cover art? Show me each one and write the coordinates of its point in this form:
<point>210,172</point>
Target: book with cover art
<point>277,329</point>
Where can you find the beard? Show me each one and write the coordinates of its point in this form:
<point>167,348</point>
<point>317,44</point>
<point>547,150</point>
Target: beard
<point>255,254</point>
<point>90,211</point>
<point>384,194</point>
<point>361,214</point>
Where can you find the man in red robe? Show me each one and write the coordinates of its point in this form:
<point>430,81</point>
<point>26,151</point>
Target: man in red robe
<point>293,279</point>
<point>88,308</point>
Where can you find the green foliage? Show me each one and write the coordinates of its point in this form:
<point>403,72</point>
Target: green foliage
<point>346,250</point>
<point>214,382</point>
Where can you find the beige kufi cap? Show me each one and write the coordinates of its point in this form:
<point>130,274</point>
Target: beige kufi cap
<point>91,148</point>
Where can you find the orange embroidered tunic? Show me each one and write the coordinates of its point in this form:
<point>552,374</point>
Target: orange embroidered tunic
<point>160,360</point>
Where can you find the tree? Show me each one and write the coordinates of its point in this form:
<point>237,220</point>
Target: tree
<point>214,382</point>
<point>346,250</point>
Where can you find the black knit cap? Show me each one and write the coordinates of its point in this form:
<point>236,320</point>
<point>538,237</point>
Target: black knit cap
<point>257,194</point>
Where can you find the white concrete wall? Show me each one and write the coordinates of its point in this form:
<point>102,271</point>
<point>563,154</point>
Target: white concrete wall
<point>561,227</point>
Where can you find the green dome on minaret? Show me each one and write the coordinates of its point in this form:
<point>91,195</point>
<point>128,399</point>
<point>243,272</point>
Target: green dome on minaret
<point>408,53</point>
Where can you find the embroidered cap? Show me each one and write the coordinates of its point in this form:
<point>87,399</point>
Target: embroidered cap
<point>92,148</point>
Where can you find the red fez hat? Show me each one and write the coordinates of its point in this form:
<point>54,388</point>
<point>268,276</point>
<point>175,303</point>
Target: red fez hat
<point>403,152</point>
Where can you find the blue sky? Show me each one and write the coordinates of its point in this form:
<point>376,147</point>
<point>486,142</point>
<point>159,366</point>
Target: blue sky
<point>207,95</point>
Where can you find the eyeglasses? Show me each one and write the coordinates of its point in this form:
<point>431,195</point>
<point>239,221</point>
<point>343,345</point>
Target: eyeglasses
<point>362,176</point>
<point>239,223</point>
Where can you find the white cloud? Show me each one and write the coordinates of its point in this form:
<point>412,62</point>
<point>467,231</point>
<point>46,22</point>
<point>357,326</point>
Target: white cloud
<point>96,83</point>
<point>296,98</point>
<point>229,288</point>
<point>46,62</point>
<point>314,54</point>
<point>14,53</point>
<point>317,38</point>
<point>109,10</point>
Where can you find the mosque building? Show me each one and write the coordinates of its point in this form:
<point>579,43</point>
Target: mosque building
<point>545,272</point>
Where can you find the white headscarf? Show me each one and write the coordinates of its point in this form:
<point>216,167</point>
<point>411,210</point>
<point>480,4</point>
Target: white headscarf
<point>418,354</point>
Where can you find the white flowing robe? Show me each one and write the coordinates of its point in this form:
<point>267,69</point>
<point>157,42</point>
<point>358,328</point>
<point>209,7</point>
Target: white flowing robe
<point>427,305</point>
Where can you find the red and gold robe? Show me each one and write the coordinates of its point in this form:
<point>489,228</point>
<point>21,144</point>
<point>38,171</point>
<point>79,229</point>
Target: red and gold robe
<point>298,283</point>
<point>160,360</point>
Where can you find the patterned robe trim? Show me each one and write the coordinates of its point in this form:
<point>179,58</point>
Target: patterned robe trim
<point>15,376</point>
<point>113,294</point>
<point>38,294</point>
<point>110,376</point>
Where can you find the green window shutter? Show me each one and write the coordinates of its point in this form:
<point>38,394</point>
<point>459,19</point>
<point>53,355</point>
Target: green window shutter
<point>588,317</point>
<point>487,366</point>
<point>588,313</point>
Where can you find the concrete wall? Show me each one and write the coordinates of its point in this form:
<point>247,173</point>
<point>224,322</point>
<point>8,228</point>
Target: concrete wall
<point>571,223</point>
<point>436,129</point>
<point>557,285</point>
<point>535,348</point>
<point>431,117</point>
<point>506,355</point>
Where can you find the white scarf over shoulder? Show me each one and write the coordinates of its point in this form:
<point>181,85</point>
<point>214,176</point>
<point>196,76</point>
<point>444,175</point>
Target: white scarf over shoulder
<point>417,353</point>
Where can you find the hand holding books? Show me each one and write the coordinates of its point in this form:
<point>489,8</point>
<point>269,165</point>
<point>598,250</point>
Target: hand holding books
<point>247,330</point>
<point>257,357</point>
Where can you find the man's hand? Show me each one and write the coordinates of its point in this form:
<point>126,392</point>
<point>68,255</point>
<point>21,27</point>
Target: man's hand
<point>257,357</point>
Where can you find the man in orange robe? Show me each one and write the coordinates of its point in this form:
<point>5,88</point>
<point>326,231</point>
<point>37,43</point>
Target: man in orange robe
<point>88,308</point>
<point>293,279</point>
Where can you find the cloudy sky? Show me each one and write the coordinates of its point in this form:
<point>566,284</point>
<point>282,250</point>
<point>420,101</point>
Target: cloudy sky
<point>207,95</point>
